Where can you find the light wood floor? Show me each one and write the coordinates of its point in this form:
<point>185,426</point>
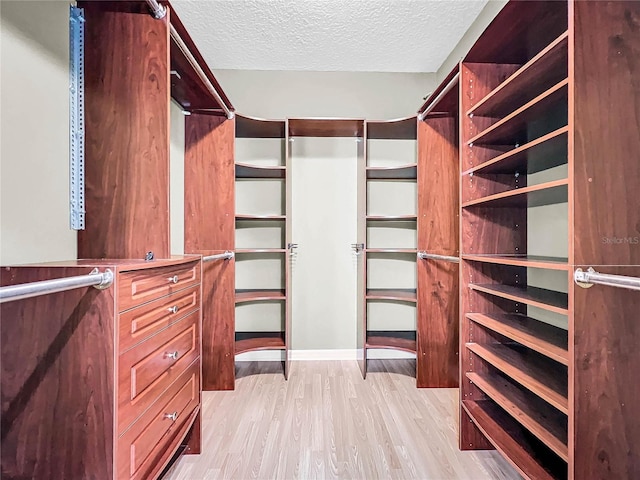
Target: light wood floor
<point>327,422</point>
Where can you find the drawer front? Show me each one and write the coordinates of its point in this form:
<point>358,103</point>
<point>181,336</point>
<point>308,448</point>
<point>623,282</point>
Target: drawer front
<point>146,370</point>
<point>139,446</point>
<point>140,323</point>
<point>142,286</point>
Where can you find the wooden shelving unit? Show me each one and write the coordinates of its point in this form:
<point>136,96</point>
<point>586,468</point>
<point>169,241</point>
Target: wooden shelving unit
<point>387,162</point>
<point>540,357</point>
<point>259,170</point>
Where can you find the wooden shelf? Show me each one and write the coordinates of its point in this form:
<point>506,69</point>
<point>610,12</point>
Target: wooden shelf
<point>551,300</point>
<point>548,193</point>
<point>529,261</point>
<point>398,129</point>
<point>539,336</point>
<point>252,341</point>
<point>402,294</point>
<point>252,127</point>
<point>260,217</point>
<point>545,152</point>
<point>326,127</point>
<point>392,250</point>
<point>404,172</point>
<point>404,340</point>
<point>513,127</point>
<point>249,295</point>
<point>545,422</point>
<point>389,218</point>
<point>508,437</point>
<point>247,251</point>
<point>547,68</point>
<point>543,377</point>
<point>244,170</point>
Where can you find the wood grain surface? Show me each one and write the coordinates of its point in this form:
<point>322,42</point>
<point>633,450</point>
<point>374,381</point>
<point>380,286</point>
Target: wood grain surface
<point>326,422</point>
<point>209,179</point>
<point>57,389</point>
<point>126,135</point>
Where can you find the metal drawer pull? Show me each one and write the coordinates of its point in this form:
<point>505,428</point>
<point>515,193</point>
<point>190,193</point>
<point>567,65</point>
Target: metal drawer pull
<point>173,279</point>
<point>173,309</point>
<point>171,416</point>
<point>172,355</point>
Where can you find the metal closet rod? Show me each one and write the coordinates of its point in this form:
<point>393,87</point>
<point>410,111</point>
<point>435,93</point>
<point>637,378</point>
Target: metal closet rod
<point>27,290</point>
<point>433,256</point>
<point>227,255</point>
<point>590,277</point>
<point>159,12</point>
<point>452,83</point>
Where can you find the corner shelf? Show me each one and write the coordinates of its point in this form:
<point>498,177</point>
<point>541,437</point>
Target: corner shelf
<point>399,294</point>
<point>245,170</point>
<point>260,217</point>
<point>251,295</point>
<point>247,251</point>
<point>253,341</point>
<point>392,218</point>
<point>392,250</point>
<point>403,172</point>
<point>403,340</point>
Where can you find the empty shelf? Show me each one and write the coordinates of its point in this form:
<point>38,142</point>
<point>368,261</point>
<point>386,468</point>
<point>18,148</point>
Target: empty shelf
<point>251,341</point>
<point>392,217</point>
<point>255,171</point>
<point>538,297</point>
<point>536,374</point>
<point>392,250</point>
<point>251,127</point>
<point>404,340</point>
<point>404,172</point>
<point>548,193</point>
<point>260,250</point>
<point>531,261</point>
<point>403,294</point>
<point>398,129</point>
<point>260,217</point>
<point>508,437</point>
<point>546,423</point>
<point>245,295</point>
<point>539,336</point>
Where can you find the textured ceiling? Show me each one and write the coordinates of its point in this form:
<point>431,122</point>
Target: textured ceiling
<point>327,35</point>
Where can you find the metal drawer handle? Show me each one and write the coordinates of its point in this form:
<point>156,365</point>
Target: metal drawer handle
<point>171,416</point>
<point>172,355</point>
<point>173,309</point>
<point>173,279</point>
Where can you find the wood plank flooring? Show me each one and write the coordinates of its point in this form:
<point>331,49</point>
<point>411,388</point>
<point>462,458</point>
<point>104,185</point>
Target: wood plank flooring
<point>326,422</point>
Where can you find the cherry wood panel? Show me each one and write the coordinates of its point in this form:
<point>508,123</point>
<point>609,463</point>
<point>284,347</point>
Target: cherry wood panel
<point>393,340</point>
<point>539,336</point>
<point>543,153</point>
<point>189,90</point>
<point>141,286</point>
<point>218,323</point>
<point>546,423</point>
<point>325,127</point>
<point>541,376</point>
<point>361,260</point>
<point>519,31</point>
<point>606,426</point>
<point>209,179</point>
<point>510,440</point>
<point>405,295</point>
<point>438,197</point>
<point>450,102</point>
<point>530,261</point>
<point>252,127</point>
<point>57,354</point>
<point>437,324</point>
<point>494,231</point>
<point>399,129</point>
<point>607,134</point>
<point>126,134</point>
<point>539,74</point>
<point>251,341</point>
<point>538,297</point>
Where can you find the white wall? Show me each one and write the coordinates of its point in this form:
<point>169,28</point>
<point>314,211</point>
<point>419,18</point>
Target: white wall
<point>176,179</point>
<point>34,133</point>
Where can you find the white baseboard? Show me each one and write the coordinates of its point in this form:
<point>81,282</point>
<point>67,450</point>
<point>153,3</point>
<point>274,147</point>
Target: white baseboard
<point>328,354</point>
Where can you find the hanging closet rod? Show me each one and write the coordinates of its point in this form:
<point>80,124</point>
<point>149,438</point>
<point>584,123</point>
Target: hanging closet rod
<point>452,83</point>
<point>433,256</point>
<point>220,256</point>
<point>27,290</point>
<point>159,12</point>
<point>591,277</point>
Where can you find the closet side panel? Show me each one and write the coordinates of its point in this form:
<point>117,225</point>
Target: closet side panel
<point>127,95</point>
<point>438,203</point>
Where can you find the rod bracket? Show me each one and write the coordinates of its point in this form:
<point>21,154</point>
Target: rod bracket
<point>582,278</point>
<point>107,278</point>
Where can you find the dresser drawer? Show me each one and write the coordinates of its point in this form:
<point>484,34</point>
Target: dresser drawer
<point>139,323</point>
<point>149,437</point>
<point>147,369</point>
<point>142,286</point>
